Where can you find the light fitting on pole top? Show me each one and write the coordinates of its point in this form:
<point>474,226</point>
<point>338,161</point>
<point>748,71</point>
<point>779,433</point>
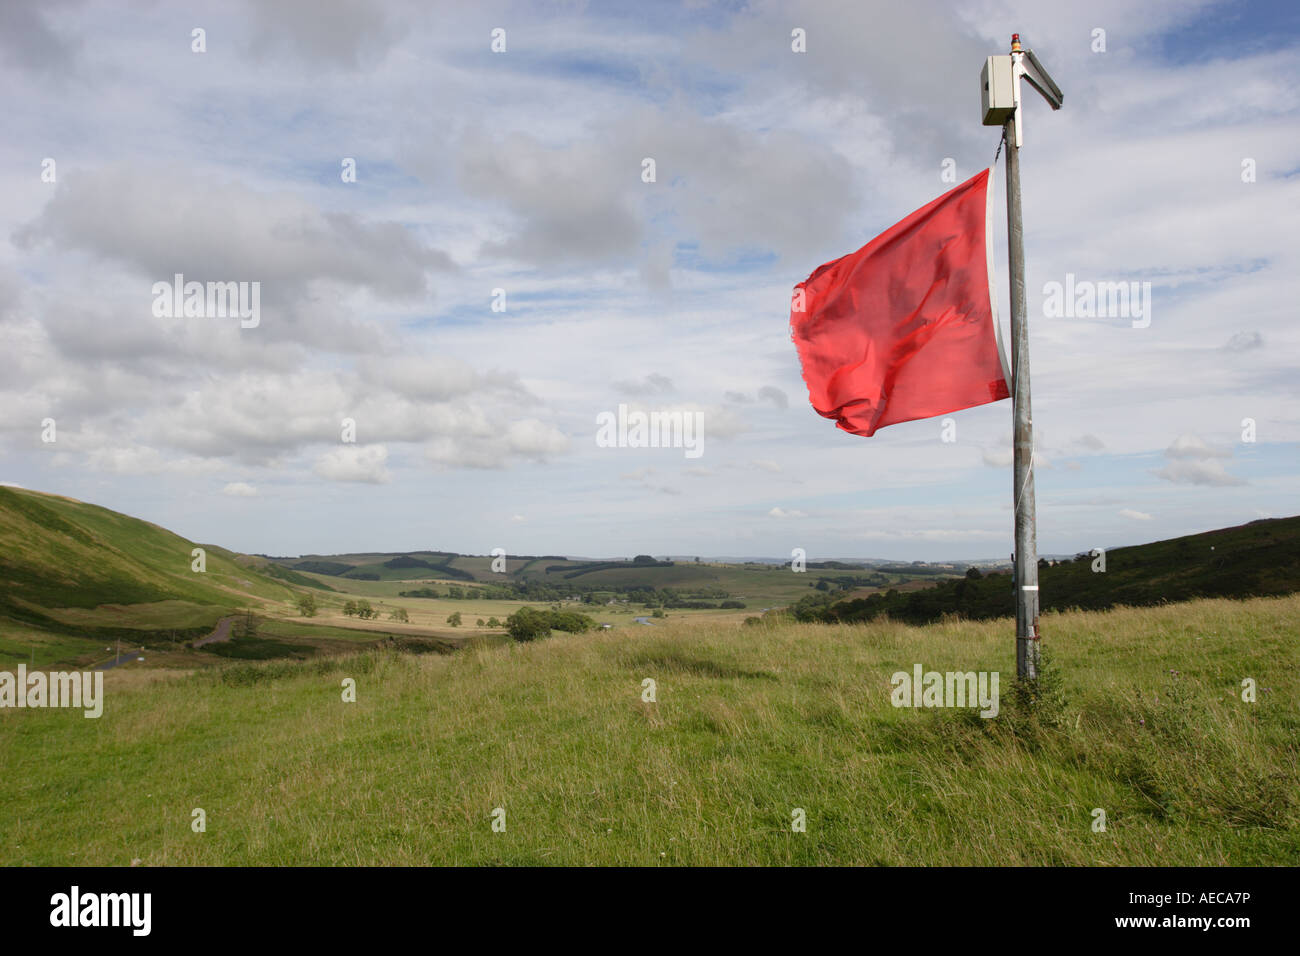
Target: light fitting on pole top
<point>1000,86</point>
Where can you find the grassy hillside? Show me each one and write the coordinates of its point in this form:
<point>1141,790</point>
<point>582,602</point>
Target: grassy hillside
<point>760,585</point>
<point>1260,558</point>
<point>750,723</point>
<point>71,568</point>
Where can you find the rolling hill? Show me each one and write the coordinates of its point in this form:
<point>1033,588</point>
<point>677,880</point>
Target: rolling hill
<point>73,575</point>
<point>1258,559</point>
<point>78,570</point>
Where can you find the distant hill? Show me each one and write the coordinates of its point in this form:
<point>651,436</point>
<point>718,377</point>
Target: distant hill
<point>1259,559</point>
<point>59,554</point>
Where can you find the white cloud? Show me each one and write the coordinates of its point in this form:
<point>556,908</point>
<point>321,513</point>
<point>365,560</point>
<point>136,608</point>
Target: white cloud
<point>1199,473</point>
<point>1193,462</point>
<point>161,221</point>
<point>527,439</point>
<point>239,489</point>
<point>364,463</point>
<point>652,384</point>
<point>1191,446</point>
<point>376,294</point>
<point>784,513</point>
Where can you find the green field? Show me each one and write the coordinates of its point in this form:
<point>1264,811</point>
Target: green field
<point>75,579</point>
<point>750,723</point>
<point>1141,715</point>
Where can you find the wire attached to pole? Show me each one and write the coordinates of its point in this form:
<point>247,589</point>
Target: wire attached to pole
<point>998,151</point>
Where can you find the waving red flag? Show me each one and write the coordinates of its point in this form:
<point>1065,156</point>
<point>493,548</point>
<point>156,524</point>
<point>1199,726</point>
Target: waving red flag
<point>904,328</point>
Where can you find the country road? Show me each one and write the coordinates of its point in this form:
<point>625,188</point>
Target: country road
<point>220,633</point>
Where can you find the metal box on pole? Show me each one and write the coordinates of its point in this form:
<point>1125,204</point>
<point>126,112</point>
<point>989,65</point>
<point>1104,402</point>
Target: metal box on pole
<point>997,81</point>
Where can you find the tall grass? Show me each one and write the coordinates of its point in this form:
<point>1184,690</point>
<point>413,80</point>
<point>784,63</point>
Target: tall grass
<point>750,723</point>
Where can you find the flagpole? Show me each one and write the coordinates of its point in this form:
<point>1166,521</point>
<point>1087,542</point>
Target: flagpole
<point>1026,564</point>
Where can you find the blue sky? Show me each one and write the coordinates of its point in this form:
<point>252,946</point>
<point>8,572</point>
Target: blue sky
<point>521,171</point>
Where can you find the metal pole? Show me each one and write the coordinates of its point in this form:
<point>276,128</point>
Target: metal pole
<point>1026,570</point>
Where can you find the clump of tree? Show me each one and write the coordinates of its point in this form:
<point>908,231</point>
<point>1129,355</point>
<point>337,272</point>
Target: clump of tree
<point>529,624</point>
<point>361,609</point>
<point>399,614</point>
<point>307,605</point>
<point>406,561</point>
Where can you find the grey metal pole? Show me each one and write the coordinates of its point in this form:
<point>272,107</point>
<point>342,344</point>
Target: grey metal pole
<point>1026,570</point>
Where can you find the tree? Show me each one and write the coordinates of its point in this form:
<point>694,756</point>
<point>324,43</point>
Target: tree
<point>364,610</point>
<point>658,612</point>
<point>973,574</point>
<point>643,559</point>
<point>399,614</point>
<point>307,605</point>
<point>350,608</point>
<point>493,622</point>
<point>527,624</point>
<point>454,618</point>
<point>480,623</point>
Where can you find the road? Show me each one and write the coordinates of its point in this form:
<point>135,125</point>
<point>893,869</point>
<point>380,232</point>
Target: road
<point>220,633</point>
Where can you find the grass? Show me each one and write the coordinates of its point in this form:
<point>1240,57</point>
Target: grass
<point>76,578</point>
<point>258,649</point>
<point>749,724</point>
<point>81,570</point>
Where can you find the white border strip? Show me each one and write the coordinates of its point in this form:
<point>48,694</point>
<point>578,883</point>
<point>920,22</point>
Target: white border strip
<point>993,288</point>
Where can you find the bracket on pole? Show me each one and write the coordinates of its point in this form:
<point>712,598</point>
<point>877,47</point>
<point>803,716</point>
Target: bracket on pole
<point>1000,80</point>
<point>1037,76</point>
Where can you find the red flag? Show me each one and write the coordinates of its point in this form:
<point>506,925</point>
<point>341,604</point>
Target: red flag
<point>904,328</point>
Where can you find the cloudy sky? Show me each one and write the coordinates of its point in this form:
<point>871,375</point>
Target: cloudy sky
<point>1176,161</point>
